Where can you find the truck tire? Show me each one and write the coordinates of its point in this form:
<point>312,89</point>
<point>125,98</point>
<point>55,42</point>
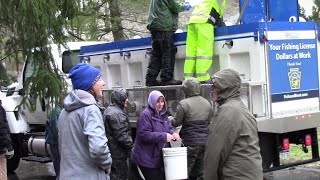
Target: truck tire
<point>13,163</point>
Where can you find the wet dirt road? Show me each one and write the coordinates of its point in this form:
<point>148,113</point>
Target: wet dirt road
<point>33,171</point>
<point>39,171</point>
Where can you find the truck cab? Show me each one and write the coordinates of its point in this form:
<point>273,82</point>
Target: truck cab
<point>28,127</point>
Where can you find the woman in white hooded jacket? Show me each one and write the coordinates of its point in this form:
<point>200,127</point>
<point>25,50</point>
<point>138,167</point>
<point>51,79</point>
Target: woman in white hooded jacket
<point>82,140</point>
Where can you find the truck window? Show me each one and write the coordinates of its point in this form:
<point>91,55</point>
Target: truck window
<point>29,69</point>
<point>4,79</point>
<point>69,59</point>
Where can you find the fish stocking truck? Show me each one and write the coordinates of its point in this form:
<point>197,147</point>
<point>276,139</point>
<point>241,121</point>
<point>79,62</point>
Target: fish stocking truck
<point>275,54</point>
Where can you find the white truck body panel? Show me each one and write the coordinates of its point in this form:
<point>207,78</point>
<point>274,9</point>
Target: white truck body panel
<point>276,103</point>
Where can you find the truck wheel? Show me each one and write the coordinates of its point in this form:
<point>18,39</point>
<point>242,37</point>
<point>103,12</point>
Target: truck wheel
<point>13,163</point>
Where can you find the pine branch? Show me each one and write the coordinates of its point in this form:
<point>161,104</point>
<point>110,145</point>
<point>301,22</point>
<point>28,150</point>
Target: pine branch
<point>75,36</point>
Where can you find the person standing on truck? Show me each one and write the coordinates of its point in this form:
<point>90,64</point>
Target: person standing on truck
<point>232,150</point>
<point>154,131</point>
<point>200,38</point>
<point>162,23</point>
<point>118,132</point>
<point>6,149</point>
<point>82,139</point>
<point>194,113</point>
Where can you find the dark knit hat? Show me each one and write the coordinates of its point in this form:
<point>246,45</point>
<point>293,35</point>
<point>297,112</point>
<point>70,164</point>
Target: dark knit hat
<point>83,76</point>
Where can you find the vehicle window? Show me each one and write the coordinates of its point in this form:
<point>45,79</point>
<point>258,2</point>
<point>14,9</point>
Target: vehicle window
<point>29,69</point>
<point>4,79</point>
<point>69,59</point>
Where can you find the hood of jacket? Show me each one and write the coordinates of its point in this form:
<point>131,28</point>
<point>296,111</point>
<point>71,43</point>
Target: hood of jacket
<point>152,101</point>
<point>227,84</point>
<point>118,97</point>
<point>191,87</point>
<point>77,99</point>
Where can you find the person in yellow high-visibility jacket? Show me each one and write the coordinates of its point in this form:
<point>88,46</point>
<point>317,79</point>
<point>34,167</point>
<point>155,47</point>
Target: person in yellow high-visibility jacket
<point>200,38</point>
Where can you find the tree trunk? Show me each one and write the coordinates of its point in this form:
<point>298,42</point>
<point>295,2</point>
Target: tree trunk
<point>115,20</point>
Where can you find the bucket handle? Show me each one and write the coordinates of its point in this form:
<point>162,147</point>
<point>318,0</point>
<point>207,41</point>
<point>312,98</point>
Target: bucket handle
<point>182,145</point>
<point>140,173</point>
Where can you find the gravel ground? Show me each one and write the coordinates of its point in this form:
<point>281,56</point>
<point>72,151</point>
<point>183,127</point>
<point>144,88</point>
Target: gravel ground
<point>315,165</point>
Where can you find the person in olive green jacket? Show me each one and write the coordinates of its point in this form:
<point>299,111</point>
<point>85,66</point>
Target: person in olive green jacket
<point>233,150</point>
<point>162,23</point>
<point>194,114</point>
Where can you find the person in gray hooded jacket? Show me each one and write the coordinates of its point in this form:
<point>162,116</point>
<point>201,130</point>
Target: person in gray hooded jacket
<point>194,114</point>
<point>119,134</point>
<point>82,139</point>
<point>233,150</point>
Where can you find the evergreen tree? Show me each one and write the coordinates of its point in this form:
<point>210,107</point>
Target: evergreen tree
<point>30,26</point>
<point>315,11</point>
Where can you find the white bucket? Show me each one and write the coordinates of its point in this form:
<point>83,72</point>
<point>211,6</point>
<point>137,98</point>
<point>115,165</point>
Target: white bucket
<point>175,163</point>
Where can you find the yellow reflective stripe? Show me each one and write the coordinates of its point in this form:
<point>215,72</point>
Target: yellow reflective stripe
<point>204,58</point>
<point>222,6</point>
<point>190,58</point>
<point>188,75</point>
<point>201,74</point>
<point>207,16</point>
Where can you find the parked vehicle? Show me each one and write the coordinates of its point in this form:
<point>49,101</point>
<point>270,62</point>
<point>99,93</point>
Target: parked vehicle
<point>28,128</point>
<point>276,56</point>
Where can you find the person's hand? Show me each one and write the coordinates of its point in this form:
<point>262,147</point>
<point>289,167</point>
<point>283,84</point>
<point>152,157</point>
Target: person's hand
<point>169,137</point>
<point>176,136</point>
<point>9,154</point>
<point>187,6</point>
<point>108,171</point>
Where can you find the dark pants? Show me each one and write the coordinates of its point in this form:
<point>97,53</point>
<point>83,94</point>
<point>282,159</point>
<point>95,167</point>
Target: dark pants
<point>152,173</point>
<point>55,156</point>
<point>119,169</point>
<point>195,162</point>
<point>133,172</point>
<point>162,57</point>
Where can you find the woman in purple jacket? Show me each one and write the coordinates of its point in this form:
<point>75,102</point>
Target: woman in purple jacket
<point>154,131</point>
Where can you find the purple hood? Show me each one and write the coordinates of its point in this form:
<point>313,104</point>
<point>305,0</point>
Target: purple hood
<point>152,101</point>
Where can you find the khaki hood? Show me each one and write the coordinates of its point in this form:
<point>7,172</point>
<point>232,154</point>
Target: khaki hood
<point>227,84</point>
<point>191,87</point>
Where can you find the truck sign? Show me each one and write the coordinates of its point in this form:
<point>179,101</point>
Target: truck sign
<point>293,66</point>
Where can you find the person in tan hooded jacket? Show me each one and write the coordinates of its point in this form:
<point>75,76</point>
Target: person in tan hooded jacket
<point>232,150</point>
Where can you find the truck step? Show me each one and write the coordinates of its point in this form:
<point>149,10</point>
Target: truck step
<point>37,159</point>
